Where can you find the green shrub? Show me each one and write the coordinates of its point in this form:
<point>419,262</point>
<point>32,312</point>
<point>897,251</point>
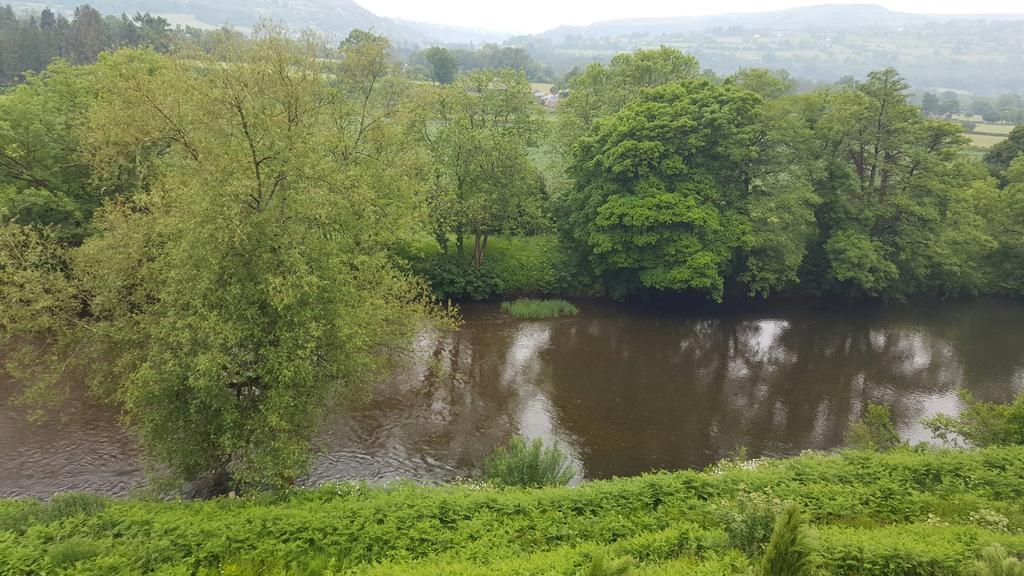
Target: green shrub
<point>748,520</point>
<point>71,551</point>
<point>906,550</point>
<point>527,308</point>
<point>452,276</point>
<point>921,504</point>
<point>996,562</point>
<point>874,431</point>
<point>982,423</point>
<point>790,551</point>
<point>530,465</point>
<point>601,566</point>
<point>513,265</point>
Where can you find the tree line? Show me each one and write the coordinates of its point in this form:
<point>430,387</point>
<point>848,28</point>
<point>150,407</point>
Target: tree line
<point>30,41</point>
<point>683,182</point>
<point>223,242</point>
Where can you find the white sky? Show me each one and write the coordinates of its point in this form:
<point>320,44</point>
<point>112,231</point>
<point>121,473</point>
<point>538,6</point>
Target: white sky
<point>531,16</point>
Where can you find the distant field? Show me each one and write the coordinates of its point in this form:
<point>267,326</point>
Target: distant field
<point>177,19</point>
<point>985,140</point>
<point>994,128</point>
<point>543,87</point>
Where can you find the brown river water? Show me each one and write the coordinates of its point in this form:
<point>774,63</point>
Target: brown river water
<point>623,388</point>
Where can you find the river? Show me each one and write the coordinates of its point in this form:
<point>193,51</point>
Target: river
<point>623,388</point>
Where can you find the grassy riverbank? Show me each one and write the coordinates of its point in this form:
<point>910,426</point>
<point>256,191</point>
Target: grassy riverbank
<point>902,513</point>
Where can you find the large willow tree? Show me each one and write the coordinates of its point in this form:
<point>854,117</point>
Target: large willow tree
<point>250,287</point>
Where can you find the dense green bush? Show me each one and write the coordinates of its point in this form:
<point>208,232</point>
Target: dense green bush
<point>528,465</point>
<point>529,308</point>
<point>919,504</point>
<point>514,265</point>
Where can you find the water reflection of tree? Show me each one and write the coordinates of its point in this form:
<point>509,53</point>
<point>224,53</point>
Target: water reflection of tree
<point>642,392</point>
<point>639,390</point>
<point>441,415</point>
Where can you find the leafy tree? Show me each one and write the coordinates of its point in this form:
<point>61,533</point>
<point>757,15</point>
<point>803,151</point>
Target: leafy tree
<point>493,56</point>
<point>1001,155</point>
<point>898,214</point>
<point>251,287</point>
<point>672,193</point>
<point>1003,211</point>
<point>87,35</point>
<point>604,90</point>
<point>443,67</point>
<point>45,179</point>
<point>485,182</point>
<point>930,103</point>
<point>770,84</point>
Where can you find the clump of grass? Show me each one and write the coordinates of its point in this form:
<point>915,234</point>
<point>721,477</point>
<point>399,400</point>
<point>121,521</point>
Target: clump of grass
<point>533,309</point>
<point>530,465</point>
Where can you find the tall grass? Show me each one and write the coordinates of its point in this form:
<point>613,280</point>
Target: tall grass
<point>533,309</point>
<point>530,465</point>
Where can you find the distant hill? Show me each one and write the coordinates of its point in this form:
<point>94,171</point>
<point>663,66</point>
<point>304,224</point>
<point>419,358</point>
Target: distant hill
<point>333,17</point>
<point>454,34</point>
<point>835,17</point>
<point>982,54</point>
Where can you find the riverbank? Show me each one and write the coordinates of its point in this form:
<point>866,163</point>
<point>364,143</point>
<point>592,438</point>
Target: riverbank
<point>901,513</point>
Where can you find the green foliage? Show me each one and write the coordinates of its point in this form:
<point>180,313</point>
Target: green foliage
<point>770,84</point>
<point>484,182</point>
<point>1003,209</point>
<point>748,520</point>
<point>874,431</point>
<point>674,186</point>
<point>527,265</point>
<point>790,551</point>
<point>666,522</point>
<point>898,213</point>
<point>452,276</point>
<point>999,157</point>
<point>602,91</point>
<point>443,67</point>
<point>528,308</point>
<point>602,566</point>
<point>981,423</point>
<point>528,465</point>
<point>65,554</point>
<point>910,550</point>
<point>996,562</point>
<point>29,41</point>
<point>253,285</point>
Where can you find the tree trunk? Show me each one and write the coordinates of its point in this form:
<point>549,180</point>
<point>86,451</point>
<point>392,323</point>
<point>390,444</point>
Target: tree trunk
<point>479,247</point>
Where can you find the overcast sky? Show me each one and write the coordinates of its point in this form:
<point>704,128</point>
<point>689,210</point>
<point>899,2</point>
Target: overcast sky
<point>538,15</point>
